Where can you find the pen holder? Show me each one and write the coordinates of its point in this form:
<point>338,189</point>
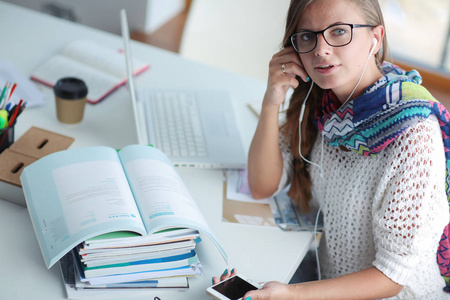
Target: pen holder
<point>6,137</point>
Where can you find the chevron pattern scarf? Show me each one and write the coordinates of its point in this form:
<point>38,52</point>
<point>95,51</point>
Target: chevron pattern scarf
<point>372,121</point>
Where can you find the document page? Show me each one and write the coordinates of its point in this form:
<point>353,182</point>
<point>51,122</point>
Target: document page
<point>26,89</point>
<point>94,197</point>
<point>163,199</point>
<point>161,193</point>
<point>76,194</point>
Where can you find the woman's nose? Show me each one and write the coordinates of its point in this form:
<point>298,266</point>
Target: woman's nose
<point>322,47</point>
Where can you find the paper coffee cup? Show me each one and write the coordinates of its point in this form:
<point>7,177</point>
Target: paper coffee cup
<point>70,96</point>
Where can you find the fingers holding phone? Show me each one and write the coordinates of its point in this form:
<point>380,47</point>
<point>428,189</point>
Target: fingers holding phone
<point>232,287</point>
<point>226,274</point>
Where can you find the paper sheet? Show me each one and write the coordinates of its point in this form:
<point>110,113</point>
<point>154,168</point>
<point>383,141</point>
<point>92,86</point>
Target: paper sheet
<point>237,187</point>
<point>25,90</point>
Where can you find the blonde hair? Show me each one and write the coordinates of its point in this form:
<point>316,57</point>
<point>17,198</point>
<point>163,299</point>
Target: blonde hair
<point>300,189</point>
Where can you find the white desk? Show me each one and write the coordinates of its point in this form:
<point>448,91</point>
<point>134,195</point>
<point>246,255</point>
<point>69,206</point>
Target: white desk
<point>27,39</point>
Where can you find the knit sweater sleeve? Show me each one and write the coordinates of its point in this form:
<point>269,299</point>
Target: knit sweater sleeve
<point>412,208</point>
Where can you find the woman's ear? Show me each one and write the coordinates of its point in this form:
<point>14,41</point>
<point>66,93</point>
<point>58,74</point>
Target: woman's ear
<point>378,34</point>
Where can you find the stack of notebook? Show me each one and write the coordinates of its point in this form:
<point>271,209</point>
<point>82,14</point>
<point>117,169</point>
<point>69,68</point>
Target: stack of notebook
<point>124,260</point>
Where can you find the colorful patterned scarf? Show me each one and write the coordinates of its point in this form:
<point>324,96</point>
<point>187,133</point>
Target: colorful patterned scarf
<point>372,121</point>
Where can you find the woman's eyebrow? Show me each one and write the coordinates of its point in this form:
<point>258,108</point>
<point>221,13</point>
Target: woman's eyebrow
<point>335,23</point>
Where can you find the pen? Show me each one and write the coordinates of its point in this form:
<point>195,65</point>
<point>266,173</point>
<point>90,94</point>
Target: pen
<point>11,111</point>
<point>3,94</point>
<point>16,111</point>
<point>8,95</point>
<point>12,91</point>
<point>21,109</point>
<point>11,120</point>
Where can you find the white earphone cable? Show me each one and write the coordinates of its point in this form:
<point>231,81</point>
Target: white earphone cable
<point>362,73</point>
<point>302,112</point>
<point>319,274</point>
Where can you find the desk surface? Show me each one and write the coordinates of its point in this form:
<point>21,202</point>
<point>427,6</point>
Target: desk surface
<point>261,253</point>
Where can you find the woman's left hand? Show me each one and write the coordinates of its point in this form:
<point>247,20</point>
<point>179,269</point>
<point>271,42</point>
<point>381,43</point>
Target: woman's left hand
<point>270,290</point>
<point>226,274</point>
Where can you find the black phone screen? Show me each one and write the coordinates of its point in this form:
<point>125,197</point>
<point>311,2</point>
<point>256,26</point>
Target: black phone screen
<point>234,288</point>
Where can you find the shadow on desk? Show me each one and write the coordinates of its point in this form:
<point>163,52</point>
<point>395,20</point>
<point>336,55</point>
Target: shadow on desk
<point>307,271</point>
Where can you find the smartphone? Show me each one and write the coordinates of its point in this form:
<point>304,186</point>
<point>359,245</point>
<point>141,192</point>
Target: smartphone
<point>233,288</point>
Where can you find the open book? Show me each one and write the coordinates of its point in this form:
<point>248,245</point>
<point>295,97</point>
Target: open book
<point>100,67</point>
<point>77,194</point>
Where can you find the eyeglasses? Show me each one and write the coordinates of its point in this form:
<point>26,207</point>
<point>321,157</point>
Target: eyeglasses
<point>335,35</point>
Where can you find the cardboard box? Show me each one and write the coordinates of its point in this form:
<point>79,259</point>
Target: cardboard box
<point>34,144</point>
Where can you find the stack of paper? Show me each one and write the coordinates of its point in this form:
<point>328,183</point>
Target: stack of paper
<point>124,257</point>
<point>76,288</point>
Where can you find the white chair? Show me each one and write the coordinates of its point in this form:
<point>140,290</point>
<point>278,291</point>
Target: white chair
<point>236,35</point>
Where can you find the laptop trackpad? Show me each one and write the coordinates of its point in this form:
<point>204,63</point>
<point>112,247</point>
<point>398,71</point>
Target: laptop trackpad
<point>215,124</point>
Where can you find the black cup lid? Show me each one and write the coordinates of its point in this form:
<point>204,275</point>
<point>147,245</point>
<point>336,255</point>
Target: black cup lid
<point>70,88</point>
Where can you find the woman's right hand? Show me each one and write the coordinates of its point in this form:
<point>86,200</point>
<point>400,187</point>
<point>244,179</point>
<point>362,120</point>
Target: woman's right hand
<point>265,163</point>
<point>282,78</point>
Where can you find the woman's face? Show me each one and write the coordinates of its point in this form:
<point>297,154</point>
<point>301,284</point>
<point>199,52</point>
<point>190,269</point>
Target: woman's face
<point>336,68</point>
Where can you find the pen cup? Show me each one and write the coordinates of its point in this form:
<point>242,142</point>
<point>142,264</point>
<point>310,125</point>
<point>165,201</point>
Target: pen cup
<point>70,96</point>
<point>6,137</point>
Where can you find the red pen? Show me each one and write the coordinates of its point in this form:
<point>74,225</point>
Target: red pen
<point>12,91</point>
<point>16,111</point>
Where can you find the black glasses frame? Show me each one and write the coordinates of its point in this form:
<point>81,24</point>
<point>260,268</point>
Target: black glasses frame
<point>294,36</point>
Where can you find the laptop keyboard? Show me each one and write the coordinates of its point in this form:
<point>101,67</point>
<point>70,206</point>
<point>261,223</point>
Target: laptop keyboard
<point>177,124</point>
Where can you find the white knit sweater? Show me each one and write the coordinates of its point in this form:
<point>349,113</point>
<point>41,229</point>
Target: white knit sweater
<point>387,211</point>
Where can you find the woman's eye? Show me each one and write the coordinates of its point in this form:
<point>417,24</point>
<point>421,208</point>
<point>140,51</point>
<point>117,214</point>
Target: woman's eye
<point>339,32</point>
<point>306,37</point>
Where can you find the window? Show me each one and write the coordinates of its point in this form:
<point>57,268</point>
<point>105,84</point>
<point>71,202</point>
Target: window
<point>418,32</point>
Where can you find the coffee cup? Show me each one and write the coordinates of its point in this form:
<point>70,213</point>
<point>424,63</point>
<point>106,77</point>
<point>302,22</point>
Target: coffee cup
<point>70,96</point>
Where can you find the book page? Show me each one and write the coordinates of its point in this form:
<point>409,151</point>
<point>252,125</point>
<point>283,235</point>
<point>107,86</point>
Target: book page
<point>102,68</point>
<point>58,66</point>
<point>162,197</point>
<point>104,58</point>
<point>92,193</point>
<point>77,194</point>
<point>161,193</point>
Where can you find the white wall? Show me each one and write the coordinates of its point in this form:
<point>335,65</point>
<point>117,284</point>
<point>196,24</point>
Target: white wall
<point>236,35</point>
<point>143,15</point>
<point>159,11</point>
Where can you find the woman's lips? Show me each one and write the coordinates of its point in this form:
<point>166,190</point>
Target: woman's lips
<point>326,68</point>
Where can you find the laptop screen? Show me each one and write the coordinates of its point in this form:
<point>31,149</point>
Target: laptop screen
<point>126,44</point>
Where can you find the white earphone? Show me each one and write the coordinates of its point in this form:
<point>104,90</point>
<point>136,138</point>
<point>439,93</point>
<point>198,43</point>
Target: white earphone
<point>302,111</point>
<point>374,44</point>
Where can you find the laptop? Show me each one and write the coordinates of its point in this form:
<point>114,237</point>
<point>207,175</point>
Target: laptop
<point>193,128</point>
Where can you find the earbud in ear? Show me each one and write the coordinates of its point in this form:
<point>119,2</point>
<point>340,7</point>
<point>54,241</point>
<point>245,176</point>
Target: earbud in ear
<point>374,44</point>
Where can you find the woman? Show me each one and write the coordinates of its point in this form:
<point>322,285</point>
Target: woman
<point>384,203</point>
